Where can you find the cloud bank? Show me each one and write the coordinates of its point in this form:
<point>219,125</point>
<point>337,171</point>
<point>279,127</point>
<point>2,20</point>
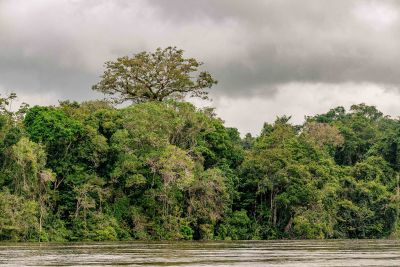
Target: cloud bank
<point>270,57</point>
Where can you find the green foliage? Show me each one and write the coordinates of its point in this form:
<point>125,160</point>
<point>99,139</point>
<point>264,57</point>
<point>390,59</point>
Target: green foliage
<point>236,226</point>
<point>157,76</point>
<point>165,170</point>
<point>18,218</point>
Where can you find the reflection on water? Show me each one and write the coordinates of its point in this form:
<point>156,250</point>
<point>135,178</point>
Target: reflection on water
<point>241,253</point>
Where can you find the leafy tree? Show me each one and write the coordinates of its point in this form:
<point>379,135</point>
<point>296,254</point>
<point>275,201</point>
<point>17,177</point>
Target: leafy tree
<point>18,218</point>
<point>285,171</point>
<point>207,202</point>
<point>236,226</point>
<point>155,76</point>
<point>323,134</point>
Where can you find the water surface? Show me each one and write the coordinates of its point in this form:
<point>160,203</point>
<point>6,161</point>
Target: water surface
<point>241,253</point>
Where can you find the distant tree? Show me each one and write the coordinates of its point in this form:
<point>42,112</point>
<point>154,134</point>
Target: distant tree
<point>247,141</point>
<point>154,77</point>
<point>323,134</point>
<point>369,112</point>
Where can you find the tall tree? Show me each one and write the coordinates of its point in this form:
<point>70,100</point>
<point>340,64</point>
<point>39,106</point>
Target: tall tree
<point>154,77</point>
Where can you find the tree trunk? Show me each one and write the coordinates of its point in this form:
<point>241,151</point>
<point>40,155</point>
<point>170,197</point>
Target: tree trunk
<point>289,225</point>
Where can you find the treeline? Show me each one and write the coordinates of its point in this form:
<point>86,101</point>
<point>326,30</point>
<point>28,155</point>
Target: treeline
<point>167,170</point>
<point>163,169</point>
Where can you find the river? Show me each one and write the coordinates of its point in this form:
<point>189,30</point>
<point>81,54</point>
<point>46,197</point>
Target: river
<point>235,253</point>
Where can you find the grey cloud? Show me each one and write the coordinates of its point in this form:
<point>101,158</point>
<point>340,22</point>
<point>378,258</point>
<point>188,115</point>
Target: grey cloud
<point>251,47</point>
<point>304,41</point>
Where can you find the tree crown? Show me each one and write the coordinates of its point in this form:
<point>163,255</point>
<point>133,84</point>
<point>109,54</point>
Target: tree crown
<point>157,76</point>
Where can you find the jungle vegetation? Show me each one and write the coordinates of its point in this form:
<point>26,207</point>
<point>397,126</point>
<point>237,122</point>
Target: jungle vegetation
<point>162,169</point>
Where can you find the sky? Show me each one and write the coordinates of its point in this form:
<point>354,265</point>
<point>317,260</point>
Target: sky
<point>270,57</point>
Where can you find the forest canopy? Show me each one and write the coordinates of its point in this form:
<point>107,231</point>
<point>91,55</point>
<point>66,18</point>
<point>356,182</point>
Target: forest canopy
<point>162,169</point>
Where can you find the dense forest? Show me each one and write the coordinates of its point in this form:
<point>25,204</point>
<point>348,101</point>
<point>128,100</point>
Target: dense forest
<point>162,169</point>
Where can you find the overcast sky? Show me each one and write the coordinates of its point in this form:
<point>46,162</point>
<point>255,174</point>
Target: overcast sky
<point>270,57</point>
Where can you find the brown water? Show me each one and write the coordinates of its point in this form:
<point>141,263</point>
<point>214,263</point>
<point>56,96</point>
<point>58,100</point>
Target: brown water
<point>241,253</point>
